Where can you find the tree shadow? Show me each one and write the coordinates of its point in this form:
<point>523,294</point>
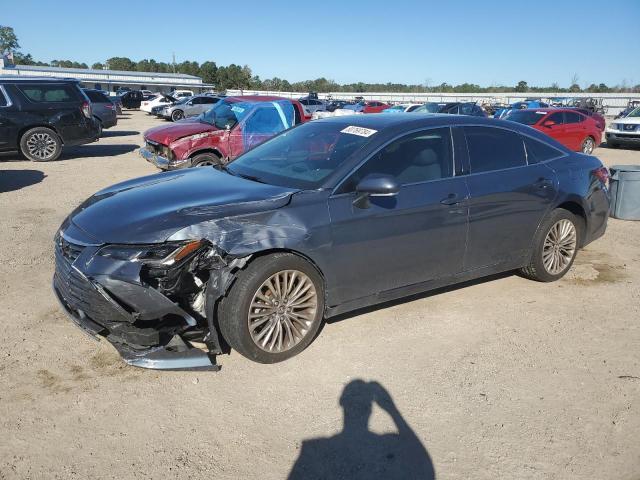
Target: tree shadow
<point>119,133</point>
<point>418,296</point>
<point>11,180</point>
<point>357,453</point>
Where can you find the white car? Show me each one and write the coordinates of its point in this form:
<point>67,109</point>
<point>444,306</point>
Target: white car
<point>160,100</point>
<point>181,93</point>
<point>403,107</point>
<point>312,105</point>
<point>625,130</point>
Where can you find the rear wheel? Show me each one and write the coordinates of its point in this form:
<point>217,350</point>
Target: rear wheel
<point>555,246</point>
<point>99,123</point>
<point>588,145</point>
<point>177,115</point>
<point>274,309</point>
<point>205,160</point>
<point>41,144</point>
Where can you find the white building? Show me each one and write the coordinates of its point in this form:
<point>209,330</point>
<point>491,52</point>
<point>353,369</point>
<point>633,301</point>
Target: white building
<point>111,80</point>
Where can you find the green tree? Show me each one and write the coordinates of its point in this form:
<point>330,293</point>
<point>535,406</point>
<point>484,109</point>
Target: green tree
<point>97,66</point>
<point>8,40</point>
<point>208,72</point>
<point>522,86</point>
<point>121,63</point>
<point>574,88</point>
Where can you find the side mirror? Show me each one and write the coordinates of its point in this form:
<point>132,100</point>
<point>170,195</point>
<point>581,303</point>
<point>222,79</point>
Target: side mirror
<point>375,185</point>
<point>548,123</point>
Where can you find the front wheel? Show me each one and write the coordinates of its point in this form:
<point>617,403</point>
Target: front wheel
<point>205,160</point>
<point>41,144</point>
<point>555,247</point>
<point>177,115</point>
<point>274,309</point>
<point>588,145</point>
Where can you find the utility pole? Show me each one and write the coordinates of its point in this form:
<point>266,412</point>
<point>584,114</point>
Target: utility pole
<point>174,62</point>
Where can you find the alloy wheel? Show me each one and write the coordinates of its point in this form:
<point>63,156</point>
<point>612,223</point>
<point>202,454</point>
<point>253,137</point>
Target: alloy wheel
<point>41,145</point>
<point>559,247</point>
<point>587,146</point>
<point>282,311</point>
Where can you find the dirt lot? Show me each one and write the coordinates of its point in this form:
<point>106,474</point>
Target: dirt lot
<point>503,378</point>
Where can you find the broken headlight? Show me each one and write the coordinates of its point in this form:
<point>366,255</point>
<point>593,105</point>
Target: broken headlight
<point>162,254</point>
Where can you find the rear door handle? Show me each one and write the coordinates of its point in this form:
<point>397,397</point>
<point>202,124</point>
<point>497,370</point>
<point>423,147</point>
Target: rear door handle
<point>451,199</point>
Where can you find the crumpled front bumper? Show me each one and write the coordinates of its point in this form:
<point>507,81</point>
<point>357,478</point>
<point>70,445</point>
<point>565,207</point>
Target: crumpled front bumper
<point>128,315</point>
<point>163,162</point>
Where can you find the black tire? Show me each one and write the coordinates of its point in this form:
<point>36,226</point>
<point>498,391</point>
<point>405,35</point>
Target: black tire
<point>612,144</point>
<point>177,115</point>
<point>50,141</point>
<point>588,146</point>
<point>205,160</point>
<point>536,270</point>
<point>99,123</point>
<point>234,308</point>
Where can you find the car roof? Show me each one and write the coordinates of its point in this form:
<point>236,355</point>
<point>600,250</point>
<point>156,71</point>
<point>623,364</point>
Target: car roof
<point>26,79</point>
<point>411,120</point>
<point>257,98</point>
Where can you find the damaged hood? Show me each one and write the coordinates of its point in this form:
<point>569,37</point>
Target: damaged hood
<point>166,134</point>
<point>150,209</point>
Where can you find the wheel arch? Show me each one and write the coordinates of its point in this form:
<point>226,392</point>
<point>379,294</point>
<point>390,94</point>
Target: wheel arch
<point>24,130</point>
<point>575,206</point>
<point>215,151</point>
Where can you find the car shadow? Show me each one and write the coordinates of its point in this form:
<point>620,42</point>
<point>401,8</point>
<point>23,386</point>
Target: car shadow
<point>97,150</point>
<point>418,296</point>
<point>11,180</point>
<point>119,133</point>
<point>357,453</point>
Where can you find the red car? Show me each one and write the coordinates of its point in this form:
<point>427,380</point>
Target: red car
<point>374,106</point>
<point>576,131</point>
<point>233,126</point>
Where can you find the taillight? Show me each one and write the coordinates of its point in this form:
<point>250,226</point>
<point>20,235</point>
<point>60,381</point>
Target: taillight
<point>108,106</point>
<point>602,174</point>
<point>86,109</point>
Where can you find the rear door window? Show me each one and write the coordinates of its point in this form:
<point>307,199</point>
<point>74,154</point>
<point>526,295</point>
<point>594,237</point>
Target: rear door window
<point>96,97</point>
<point>571,117</point>
<point>494,149</point>
<point>49,93</point>
<point>539,151</point>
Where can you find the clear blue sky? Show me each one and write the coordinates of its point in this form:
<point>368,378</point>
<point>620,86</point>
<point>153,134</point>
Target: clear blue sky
<point>484,42</point>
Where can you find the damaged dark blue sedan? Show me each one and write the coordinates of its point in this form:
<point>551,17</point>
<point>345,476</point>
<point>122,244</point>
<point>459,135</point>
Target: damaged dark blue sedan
<point>327,217</point>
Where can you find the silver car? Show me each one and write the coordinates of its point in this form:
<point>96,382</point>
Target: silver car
<point>104,110</point>
<point>188,107</point>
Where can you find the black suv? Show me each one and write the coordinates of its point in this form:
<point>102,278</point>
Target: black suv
<point>40,115</point>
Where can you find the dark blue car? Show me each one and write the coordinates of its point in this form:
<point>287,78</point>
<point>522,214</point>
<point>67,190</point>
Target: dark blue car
<point>327,217</point>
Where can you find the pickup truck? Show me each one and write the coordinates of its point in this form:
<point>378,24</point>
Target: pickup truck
<point>219,135</point>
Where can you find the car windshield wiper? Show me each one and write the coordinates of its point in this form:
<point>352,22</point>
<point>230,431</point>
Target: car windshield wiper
<point>226,169</point>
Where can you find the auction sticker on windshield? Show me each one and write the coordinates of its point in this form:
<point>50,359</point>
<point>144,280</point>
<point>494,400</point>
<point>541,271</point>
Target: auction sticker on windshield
<point>360,131</point>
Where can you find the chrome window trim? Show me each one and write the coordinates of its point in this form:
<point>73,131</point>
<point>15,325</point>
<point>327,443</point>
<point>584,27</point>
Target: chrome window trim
<point>6,97</point>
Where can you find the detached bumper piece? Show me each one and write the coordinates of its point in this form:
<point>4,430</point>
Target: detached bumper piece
<point>146,344</point>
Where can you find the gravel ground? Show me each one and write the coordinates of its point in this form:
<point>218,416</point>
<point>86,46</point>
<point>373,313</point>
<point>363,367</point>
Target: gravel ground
<point>502,378</point>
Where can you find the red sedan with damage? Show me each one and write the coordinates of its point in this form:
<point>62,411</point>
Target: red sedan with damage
<point>576,131</point>
<point>233,126</point>
<point>374,106</point>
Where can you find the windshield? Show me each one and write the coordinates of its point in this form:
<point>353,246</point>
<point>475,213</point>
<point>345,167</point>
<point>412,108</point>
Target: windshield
<point>302,157</point>
<point>226,114</point>
<point>428,107</point>
<point>526,117</point>
<point>396,108</point>
<point>634,113</point>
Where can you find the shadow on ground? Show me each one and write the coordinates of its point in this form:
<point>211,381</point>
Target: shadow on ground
<point>11,180</point>
<point>97,150</point>
<point>357,453</point>
<point>119,133</point>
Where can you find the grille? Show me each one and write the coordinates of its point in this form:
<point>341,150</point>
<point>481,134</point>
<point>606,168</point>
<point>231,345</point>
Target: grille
<point>70,251</point>
<point>154,147</point>
<point>79,294</point>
